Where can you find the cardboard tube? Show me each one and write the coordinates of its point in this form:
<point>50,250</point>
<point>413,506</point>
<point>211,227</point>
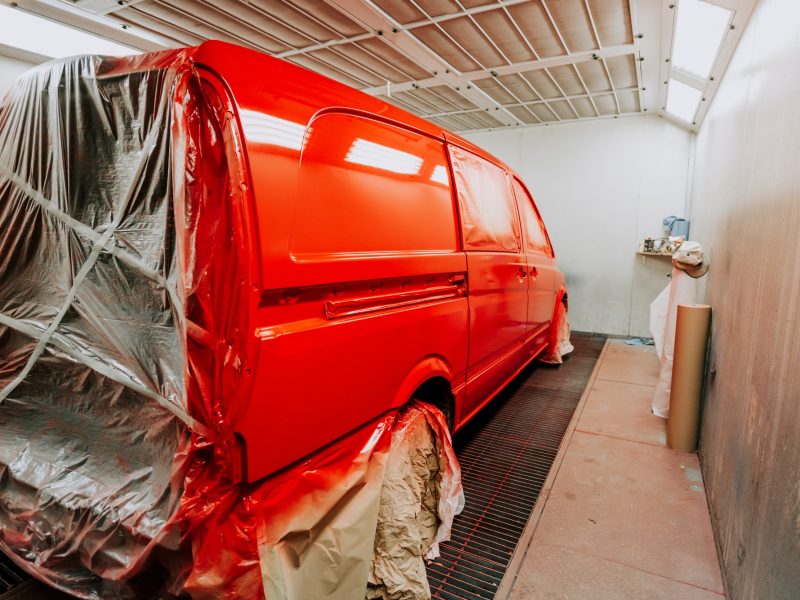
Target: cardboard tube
<point>688,371</point>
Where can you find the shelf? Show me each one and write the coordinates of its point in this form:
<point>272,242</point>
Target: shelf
<point>664,254</point>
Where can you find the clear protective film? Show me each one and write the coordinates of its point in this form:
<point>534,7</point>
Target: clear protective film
<point>93,409</point>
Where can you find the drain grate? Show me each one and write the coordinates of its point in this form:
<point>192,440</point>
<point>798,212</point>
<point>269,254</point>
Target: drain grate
<point>505,456</point>
<point>10,574</point>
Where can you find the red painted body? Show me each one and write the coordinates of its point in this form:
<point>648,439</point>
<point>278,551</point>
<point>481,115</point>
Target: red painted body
<point>387,252</point>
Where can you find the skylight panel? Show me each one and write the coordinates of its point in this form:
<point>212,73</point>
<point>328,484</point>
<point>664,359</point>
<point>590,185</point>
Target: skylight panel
<point>699,31</point>
<point>32,33</point>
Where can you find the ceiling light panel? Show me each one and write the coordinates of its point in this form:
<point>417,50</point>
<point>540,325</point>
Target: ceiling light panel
<point>474,42</point>
<point>606,105</point>
<point>623,71</point>
<point>434,101</point>
<point>159,13</point>
<point>533,22</point>
<point>542,112</point>
<point>542,83</point>
<point>318,23</point>
<point>518,86</point>
<point>525,114</point>
<point>35,34</point>
<point>170,31</point>
<point>563,110</point>
<point>699,31</point>
<point>613,21</point>
<point>584,107</point>
<point>574,24</point>
<point>388,54</point>
<point>327,15</point>
<point>628,102</point>
<point>403,12</point>
<point>682,100</point>
<point>453,97</point>
<point>445,48</point>
<point>594,75</point>
<point>353,53</point>
<point>497,92</point>
<point>339,60</point>
<point>499,27</point>
<point>567,79</point>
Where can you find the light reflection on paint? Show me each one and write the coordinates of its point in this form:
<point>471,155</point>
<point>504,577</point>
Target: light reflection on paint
<point>440,175</point>
<point>267,129</point>
<point>370,154</point>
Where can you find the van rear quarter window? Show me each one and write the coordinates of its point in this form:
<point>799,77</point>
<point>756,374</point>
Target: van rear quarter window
<point>368,187</point>
<point>535,237</point>
<point>488,213</point>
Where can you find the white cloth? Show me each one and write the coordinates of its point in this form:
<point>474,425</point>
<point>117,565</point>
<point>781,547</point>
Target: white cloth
<point>553,355</point>
<point>682,289</point>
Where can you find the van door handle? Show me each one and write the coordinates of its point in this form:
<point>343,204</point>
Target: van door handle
<point>522,273</point>
<point>457,279</point>
<point>534,272</point>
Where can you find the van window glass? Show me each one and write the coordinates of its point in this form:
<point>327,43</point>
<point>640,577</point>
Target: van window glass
<point>366,187</point>
<point>488,214</point>
<point>535,236</point>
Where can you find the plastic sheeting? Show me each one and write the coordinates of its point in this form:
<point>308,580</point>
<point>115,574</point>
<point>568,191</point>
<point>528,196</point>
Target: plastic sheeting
<point>560,346</point>
<point>93,411</point>
<point>488,212</point>
<point>682,289</point>
<point>122,347</point>
<point>350,518</point>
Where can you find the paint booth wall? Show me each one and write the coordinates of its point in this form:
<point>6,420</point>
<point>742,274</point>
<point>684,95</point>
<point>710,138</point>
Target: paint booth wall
<point>746,208</point>
<point>602,187</point>
<point>10,69</point>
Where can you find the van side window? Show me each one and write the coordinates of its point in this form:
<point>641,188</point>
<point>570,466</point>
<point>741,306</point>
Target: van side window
<point>488,214</point>
<point>366,186</point>
<point>536,239</point>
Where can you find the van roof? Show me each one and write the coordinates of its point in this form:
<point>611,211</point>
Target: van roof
<point>256,81</point>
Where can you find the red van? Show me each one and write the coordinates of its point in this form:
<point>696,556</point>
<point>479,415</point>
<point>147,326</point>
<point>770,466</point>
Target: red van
<point>397,260</point>
<point>373,257</point>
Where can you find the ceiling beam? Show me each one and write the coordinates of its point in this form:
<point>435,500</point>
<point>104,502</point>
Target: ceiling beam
<point>520,67</point>
<point>371,17</point>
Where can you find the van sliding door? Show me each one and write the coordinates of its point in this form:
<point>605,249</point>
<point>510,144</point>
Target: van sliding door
<point>372,288</point>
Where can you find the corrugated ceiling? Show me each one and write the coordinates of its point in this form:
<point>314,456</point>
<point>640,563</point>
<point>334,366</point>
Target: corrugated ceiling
<point>465,64</point>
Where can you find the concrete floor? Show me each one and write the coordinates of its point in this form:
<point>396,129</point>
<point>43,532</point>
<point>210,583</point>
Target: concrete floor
<point>626,517</point>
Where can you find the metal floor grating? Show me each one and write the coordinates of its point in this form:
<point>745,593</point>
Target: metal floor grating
<point>505,456</point>
<point>10,574</point>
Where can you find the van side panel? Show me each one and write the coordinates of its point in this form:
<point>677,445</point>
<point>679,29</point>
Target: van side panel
<point>542,270</point>
<point>498,285</point>
<point>321,300</point>
<point>376,287</point>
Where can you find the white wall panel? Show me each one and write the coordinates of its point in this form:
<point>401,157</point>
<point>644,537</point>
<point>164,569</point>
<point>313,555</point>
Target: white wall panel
<point>746,205</point>
<point>10,69</point>
<point>602,186</point>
